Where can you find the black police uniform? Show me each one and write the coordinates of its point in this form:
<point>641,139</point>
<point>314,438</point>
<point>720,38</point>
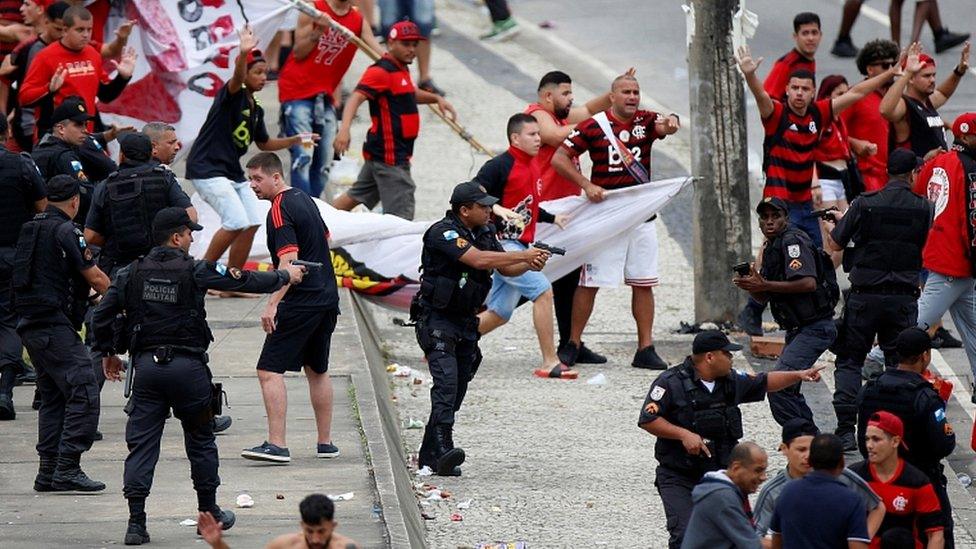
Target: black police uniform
<point>928,435</point>
<point>806,317</point>
<point>55,156</point>
<point>51,297</point>
<point>445,309</point>
<point>155,310</point>
<point>22,188</point>
<point>889,228</point>
<point>679,396</point>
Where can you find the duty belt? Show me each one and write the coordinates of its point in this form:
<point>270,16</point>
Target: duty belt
<point>888,288</point>
<point>163,354</point>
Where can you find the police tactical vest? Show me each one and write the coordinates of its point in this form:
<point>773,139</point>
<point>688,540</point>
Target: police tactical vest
<point>793,311</point>
<point>926,128</point>
<point>901,397</point>
<point>133,197</point>
<point>46,156</point>
<point>452,287</point>
<point>42,283</point>
<point>163,306</point>
<point>894,226</point>
<point>712,415</point>
<point>16,208</point>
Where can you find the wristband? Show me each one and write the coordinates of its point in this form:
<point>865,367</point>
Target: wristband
<point>957,72</point>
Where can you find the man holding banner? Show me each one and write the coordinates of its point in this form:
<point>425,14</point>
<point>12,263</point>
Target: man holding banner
<point>619,142</point>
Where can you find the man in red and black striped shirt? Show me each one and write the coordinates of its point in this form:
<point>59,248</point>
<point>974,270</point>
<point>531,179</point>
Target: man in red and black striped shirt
<point>806,33</point>
<point>393,100</point>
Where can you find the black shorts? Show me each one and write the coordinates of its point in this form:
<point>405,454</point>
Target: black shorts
<point>301,338</point>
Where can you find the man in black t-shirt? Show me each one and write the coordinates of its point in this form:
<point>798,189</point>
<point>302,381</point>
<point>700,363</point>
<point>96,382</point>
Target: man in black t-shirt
<point>300,319</point>
<point>213,166</point>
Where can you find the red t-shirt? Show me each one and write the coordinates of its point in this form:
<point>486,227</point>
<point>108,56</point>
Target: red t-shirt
<point>864,121</point>
<point>833,145</point>
<point>393,110</point>
<point>790,161</point>
<point>554,186</point>
<point>608,168</point>
<point>323,68</point>
<point>909,499</point>
<point>779,75</point>
<point>943,181</point>
<point>514,179</point>
<point>82,78</point>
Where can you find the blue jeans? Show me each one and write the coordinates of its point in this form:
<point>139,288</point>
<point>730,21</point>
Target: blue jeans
<point>800,218</point>
<point>310,172</point>
<point>420,12</point>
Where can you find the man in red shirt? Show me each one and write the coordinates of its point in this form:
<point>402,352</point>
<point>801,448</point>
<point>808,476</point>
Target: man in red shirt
<point>949,254</point>
<point>619,143</point>
<point>307,88</point>
<point>909,499</point>
<point>806,34</point>
<point>393,100</point>
<point>514,177</point>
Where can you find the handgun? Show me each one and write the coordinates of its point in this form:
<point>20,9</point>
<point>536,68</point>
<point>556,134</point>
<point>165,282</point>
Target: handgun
<point>551,249</point>
<point>826,214</point>
<point>742,269</point>
<point>306,264</point>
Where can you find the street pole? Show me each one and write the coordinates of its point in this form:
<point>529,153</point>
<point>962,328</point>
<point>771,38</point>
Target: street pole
<point>721,210</point>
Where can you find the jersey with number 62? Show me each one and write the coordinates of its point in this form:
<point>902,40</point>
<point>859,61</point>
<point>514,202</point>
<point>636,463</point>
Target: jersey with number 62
<point>608,168</point>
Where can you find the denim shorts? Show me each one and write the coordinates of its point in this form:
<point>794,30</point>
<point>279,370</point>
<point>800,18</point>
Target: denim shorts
<point>506,290</point>
<point>234,201</point>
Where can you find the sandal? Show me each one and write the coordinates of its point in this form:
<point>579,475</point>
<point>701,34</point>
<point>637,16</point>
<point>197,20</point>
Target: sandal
<point>559,371</point>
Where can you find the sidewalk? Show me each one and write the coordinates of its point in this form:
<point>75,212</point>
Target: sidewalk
<point>29,519</point>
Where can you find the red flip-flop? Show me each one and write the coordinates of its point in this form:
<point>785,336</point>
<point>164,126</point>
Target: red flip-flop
<point>559,371</point>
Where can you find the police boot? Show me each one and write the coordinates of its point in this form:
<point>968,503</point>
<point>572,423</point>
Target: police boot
<point>449,457</point>
<point>68,476</point>
<point>225,518</point>
<point>136,534</point>
<point>45,475</point>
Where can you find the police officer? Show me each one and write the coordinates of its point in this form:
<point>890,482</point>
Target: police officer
<point>23,195</point>
<point>54,272</point>
<point>59,152</point>
<point>904,392</point>
<point>889,228</point>
<point>693,410</point>
<point>155,310</point>
<point>798,281</point>
<point>459,254</point>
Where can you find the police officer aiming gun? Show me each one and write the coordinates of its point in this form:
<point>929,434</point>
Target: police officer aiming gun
<point>459,254</point>
<point>159,300</point>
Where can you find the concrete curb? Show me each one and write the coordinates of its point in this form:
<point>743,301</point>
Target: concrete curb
<point>381,428</point>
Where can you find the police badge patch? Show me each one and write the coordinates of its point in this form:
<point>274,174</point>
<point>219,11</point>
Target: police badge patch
<point>793,250</point>
<point>657,393</point>
<point>221,268</point>
<point>796,264</point>
<point>450,235</point>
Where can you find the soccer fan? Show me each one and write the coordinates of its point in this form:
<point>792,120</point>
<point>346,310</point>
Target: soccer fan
<point>806,34</point>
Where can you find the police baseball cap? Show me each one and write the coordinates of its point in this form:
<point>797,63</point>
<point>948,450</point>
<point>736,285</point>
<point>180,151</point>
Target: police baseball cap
<point>136,146</point>
<point>173,218</point>
<point>902,161</point>
<point>798,427</point>
<point>466,193</point>
<point>62,187</point>
<point>912,342</point>
<point>773,202</point>
<point>965,124</point>
<point>73,108</point>
<point>405,30</point>
<point>712,340</point>
<point>889,423</point>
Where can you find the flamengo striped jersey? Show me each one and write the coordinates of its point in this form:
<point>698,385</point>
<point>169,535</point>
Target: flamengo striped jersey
<point>790,160</point>
<point>393,111</point>
<point>608,168</point>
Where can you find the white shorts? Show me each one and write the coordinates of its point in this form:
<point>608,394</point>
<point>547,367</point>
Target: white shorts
<point>631,260</point>
<point>832,189</point>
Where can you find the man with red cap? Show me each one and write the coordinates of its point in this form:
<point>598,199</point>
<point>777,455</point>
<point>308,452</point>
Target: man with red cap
<point>393,100</point>
<point>909,498</point>
<point>911,104</point>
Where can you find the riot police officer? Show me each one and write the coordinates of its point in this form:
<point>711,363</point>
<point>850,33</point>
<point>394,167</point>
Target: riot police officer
<point>23,195</point>
<point>904,392</point>
<point>693,410</point>
<point>155,310</point>
<point>889,228</point>
<point>54,272</point>
<point>459,254</point>
<point>798,281</point>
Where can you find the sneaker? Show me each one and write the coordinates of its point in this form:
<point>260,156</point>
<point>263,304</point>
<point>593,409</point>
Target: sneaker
<point>843,47</point>
<point>7,411</point>
<point>588,356</point>
<point>267,452</point>
<point>943,339</point>
<point>220,423</point>
<point>946,40</point>
<point>750,322</point>
<point>648,359</point>
<point>227,519</point>
<point>136,534</point>
<point>327,450</point>
<point>428,86</point>
<point>501,30</point>
<point>568,353</point>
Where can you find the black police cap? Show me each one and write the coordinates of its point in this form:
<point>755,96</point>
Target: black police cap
<point>912,342</point>
<point>773,202</point>
<point>902,161</point>
<point>73,108</point>
<point>136,146</point>
<point>62,187</point>
<point>173,218</point>
<point>712,340</point>
<point>466,193</point>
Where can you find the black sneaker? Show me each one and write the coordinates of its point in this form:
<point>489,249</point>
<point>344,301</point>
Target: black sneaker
<point>267,452</point>
<point>136,534</point>
<point>843,47</point>
<point>946,40</point>
<point>227,519</point>
<point>74,481</point>
<point>750,322</point>
<point>943,339</point>
<point>587,356</point>
<point>568,353</point>
<point>428,86</point>
<point>7,412</point>
<point>327,450</point>
<point>220,423</point>
<point>648,359</point>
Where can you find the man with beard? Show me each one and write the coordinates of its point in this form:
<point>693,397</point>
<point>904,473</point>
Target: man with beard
<point>911,104</point>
